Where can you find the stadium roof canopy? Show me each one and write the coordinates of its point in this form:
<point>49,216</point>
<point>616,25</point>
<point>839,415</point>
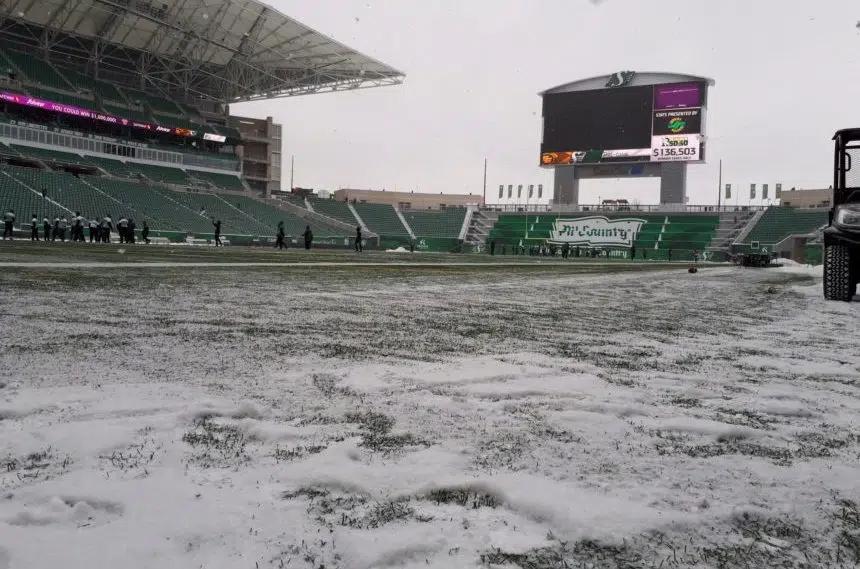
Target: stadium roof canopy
<point>226,50</point>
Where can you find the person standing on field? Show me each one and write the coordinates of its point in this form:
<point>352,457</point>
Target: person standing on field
<point>309,237</point>
<point>34,228</point>
<point>279,236</point>
<point>144,234</point>
<point>359,247</point>
<point>217,225</point>
<point>46,228</point>
<point>8,223</point>
<point>107,227</point>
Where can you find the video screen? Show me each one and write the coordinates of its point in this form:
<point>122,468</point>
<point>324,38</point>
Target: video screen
<point>607,119</point>
<point>678,96</point>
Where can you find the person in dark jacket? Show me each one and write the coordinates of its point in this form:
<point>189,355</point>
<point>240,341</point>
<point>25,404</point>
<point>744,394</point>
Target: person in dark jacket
<point>279,236</point>
<point>34,228</point>
<point>309,237</point>
<point>8,223</point>
<point>144,234</point>
<point>217,225</point>
<point>46,228</point>
<point>359,247</point>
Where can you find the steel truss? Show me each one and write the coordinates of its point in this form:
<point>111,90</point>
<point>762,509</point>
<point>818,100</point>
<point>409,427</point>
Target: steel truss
<point>190,50</point>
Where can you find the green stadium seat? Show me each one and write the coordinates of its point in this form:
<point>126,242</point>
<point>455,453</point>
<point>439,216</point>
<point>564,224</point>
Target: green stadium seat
<point>38,71</point>
<point>778,223</point>
<point>49,155</point>
<point>294,225</point>
<point>77,101</point>
<point>25,201</point>
<point>156,208</point>
<point>158,104</point>
<point>223,181</point>
<point>381,219</point>
<point>444,223</point>
<point>334,209</point>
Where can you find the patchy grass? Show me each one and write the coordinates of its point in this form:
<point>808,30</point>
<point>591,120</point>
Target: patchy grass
<point>376,433</point>
<point>34,467</point>
<point>216,444</point>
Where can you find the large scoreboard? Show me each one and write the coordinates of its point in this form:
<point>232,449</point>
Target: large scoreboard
<point>625,123</point>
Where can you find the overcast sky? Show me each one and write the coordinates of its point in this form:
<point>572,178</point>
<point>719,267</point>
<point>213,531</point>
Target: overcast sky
<point>785,71</point>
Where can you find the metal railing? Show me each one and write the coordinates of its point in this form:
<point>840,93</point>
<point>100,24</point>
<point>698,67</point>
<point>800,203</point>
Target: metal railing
<point>584,208</point>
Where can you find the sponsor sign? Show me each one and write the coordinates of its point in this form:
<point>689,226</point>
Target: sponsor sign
<point>678,121</point>
<point>676,148</point>
<point>594,156</point>
<point>596,231</point>
<point>73,110</point>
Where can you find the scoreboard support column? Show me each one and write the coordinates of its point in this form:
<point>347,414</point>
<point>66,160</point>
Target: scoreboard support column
<point>673,183</point>
<point>565,188</point>
<point>673,179</point>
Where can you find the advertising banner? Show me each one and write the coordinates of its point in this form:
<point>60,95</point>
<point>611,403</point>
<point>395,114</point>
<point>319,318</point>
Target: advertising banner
<point>597,231</point>
<point>95,115</point>
<point>675,148</point>
<point>678,121</point>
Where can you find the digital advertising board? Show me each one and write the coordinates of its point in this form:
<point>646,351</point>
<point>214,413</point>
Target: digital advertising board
<point>649,123</point>
<point>90,114</point>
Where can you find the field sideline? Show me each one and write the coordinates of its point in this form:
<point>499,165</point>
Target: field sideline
<point>25,254</point>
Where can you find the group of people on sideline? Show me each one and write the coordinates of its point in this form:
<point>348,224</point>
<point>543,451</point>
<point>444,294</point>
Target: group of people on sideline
<point>78,229</point>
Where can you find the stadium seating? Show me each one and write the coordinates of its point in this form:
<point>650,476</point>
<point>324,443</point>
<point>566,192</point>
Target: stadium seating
<point>126,112</point>
<point>158,210</point>
<point>164,174</point>
<point>37,71</point>
<point>234,221</point>
<point>778,223</point>
<point>445,223</point>
<point>49,155</point>
<point>24,201</point>
<point>223,181</point>
<point>84,83</point>
<point>66,99</point>
<point>293,224</point>
<point>381,219</point>
<point>335,209</point>
<point>158,104</point>
<point>113,167</point>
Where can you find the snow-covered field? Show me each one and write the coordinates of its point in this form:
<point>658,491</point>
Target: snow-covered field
<point>375,418</point>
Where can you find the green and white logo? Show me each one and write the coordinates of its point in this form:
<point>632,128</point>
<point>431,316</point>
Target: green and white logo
<point>620,79</point>
<point>596,231</point>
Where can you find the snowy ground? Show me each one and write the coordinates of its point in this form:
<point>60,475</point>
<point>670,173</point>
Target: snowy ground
<point>373,418</point>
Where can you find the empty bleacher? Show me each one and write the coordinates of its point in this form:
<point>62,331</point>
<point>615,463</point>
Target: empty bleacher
<point>164,174</point>
<point>223,181</point>
<point>335,209</point>
<point>293,224</point>
<point>64,98</point>
<point>48,155</point>
<point>37,70</point>
<point>778,223</point>
<point>24,201</point>
<point>233,220</point>
<point>381,219</point>
<point>445,223</point>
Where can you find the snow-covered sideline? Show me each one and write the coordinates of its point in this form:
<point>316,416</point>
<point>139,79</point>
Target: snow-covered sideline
<point>660,419</point>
